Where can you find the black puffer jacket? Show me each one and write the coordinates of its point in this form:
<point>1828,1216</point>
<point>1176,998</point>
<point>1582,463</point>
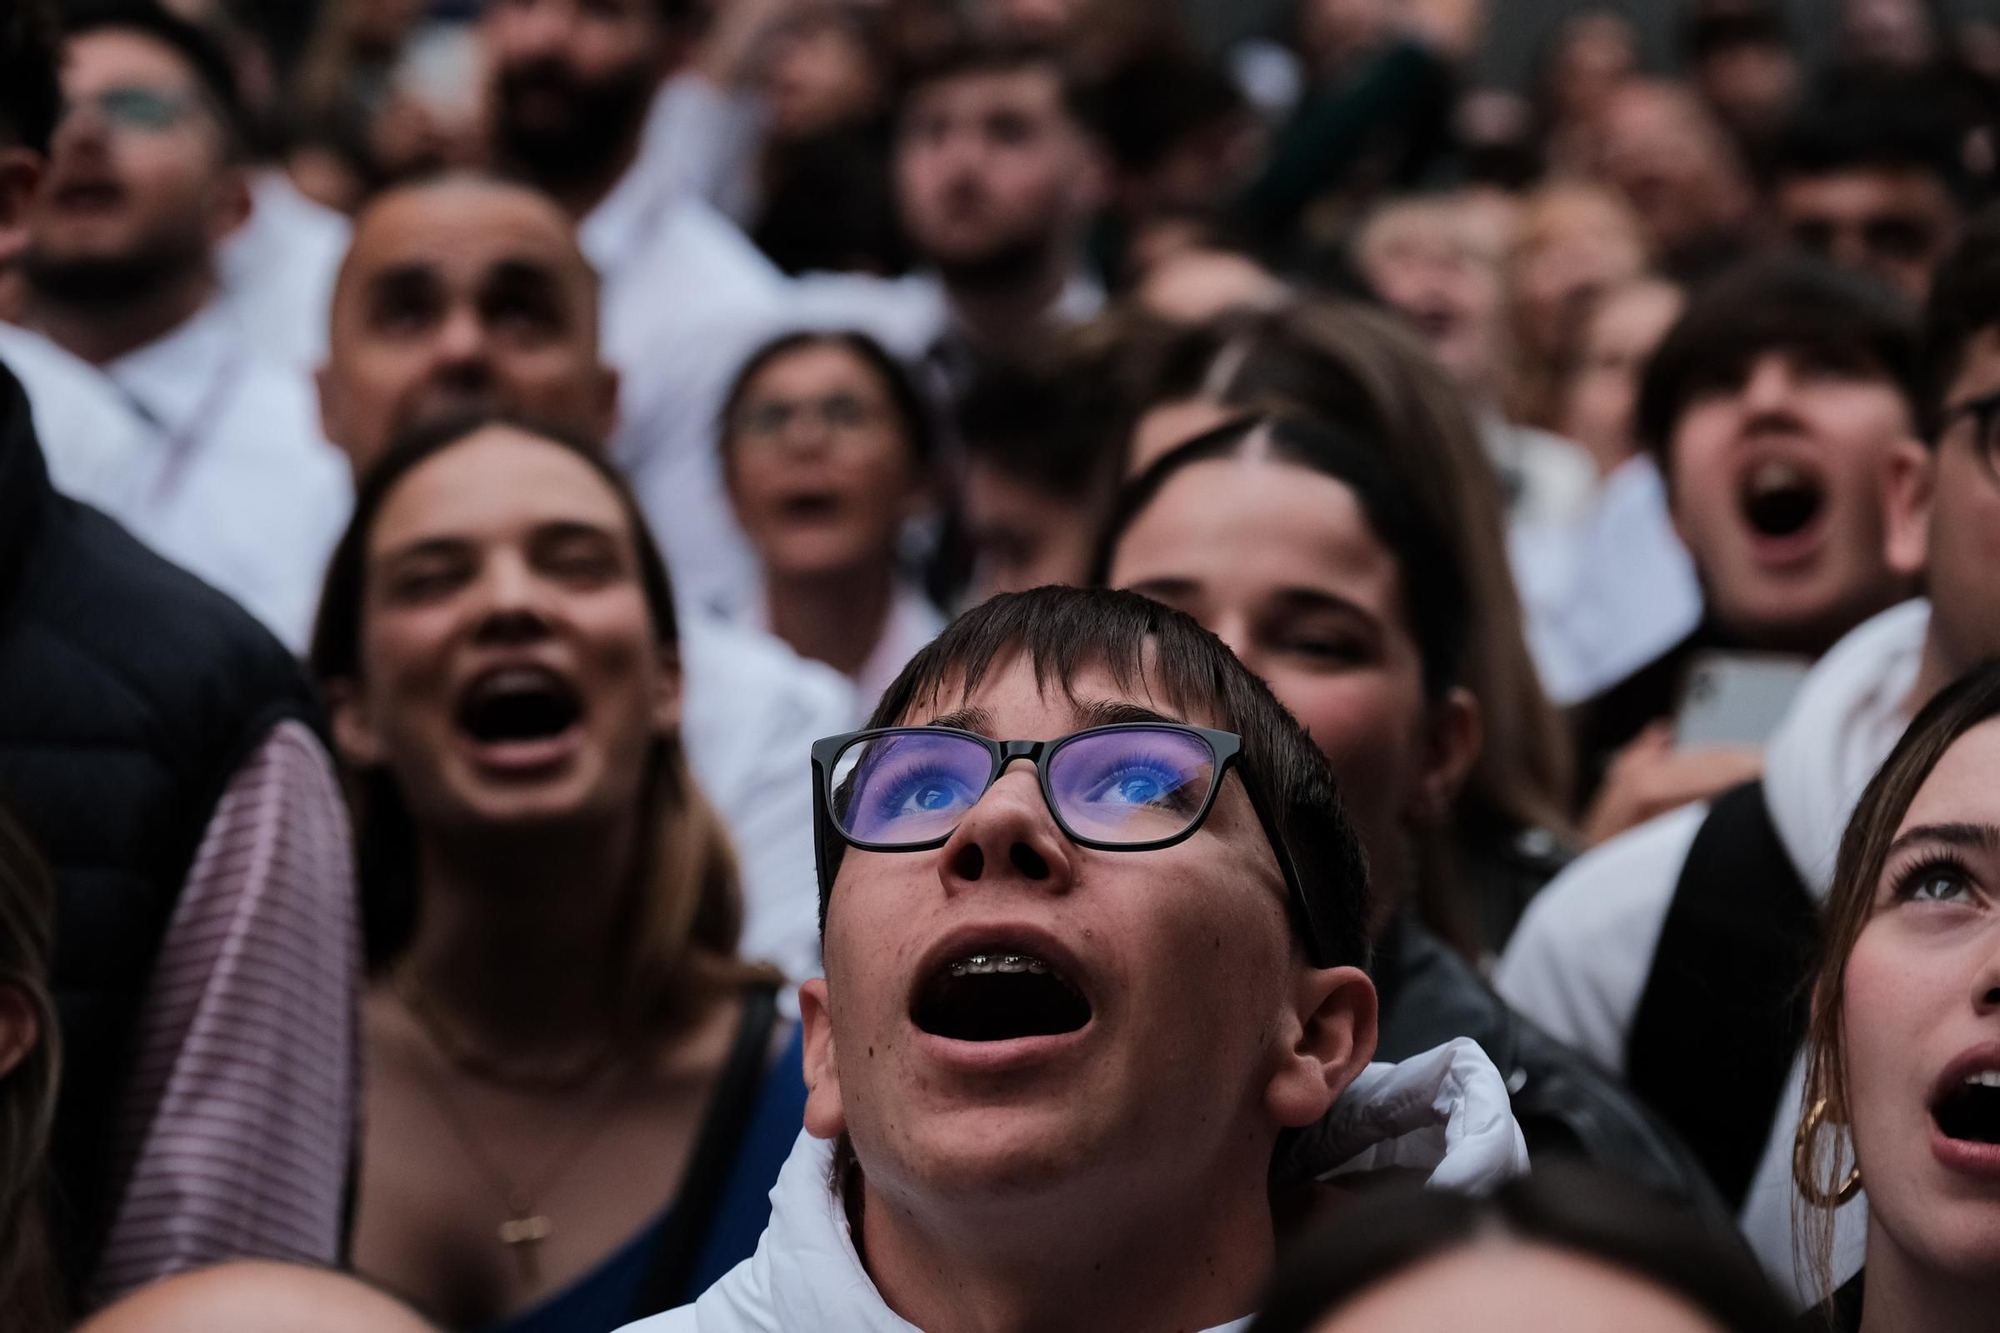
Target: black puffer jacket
<point>1565,1104</point>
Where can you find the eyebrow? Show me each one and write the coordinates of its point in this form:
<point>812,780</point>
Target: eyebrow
<point>424,546</point>
<point>1113,712</point>
<point>1971,837</point>
<point>975,720</point>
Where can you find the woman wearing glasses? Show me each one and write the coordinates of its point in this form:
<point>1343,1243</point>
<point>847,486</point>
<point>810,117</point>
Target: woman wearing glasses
<point>578,1097</point>
<point>1902,1092</point>
<point>1297,545</point>
<point>826,449</point>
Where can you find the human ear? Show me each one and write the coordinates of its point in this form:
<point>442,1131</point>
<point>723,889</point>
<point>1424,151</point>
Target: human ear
<point>354,734</point>
<point>1454,734</point>
<point>1908,494</point>
<point>826,1118</point>
<point>667,693</point>
<point>20,172</point>
<point>20,1026</point>
<point>1332,1041</point>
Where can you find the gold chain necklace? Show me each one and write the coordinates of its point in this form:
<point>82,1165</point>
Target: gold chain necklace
<point>525,1226</point>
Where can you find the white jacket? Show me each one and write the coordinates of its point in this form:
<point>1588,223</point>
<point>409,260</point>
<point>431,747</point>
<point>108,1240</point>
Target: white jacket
<point>1579,961</point>
<point>1444,1111</point>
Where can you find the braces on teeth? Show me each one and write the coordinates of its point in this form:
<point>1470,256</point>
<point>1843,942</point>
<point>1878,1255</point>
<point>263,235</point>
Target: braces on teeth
<point>980,965</point>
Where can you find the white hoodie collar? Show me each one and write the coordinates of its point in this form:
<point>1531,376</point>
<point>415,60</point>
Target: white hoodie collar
<point>1847,717</point>
<point>1444,1112</point>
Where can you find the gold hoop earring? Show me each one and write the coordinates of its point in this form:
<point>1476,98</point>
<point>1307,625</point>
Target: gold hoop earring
<point>1802,1164</point>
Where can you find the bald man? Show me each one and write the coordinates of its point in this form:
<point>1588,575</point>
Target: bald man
<point>468,293</point>
<point>462,294</point>
<point>258,1298</point>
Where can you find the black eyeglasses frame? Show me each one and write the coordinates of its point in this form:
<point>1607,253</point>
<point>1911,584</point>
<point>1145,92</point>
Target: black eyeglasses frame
<point>1225,746</point>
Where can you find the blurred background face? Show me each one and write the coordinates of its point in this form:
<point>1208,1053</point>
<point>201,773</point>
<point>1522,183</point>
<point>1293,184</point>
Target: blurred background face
<point>511,670</point>
<point>1024,537</point>
<point>1620,336</point>
<point>1921,1011</point>
<point>1573,244</point>
<point>818,75</point>
<point>991,170</point>
<point>462,297</point>
<point>1661,149</point>
<point>1592,55</point>
<point>1333,32</point>
<point>1504,1287</point>
<point>1418,263</point>
<point>819,465</point>
<point>1889,34</point>
<point>1777,485</point>
<point>1278,561</point>
<point>572,80</point>
<point>139,184</point>
<point>1892,225</point>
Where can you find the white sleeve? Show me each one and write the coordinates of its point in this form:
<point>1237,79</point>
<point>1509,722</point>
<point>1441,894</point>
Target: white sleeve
<point>1577,964</point>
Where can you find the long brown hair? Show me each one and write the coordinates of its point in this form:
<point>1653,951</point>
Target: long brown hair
<point>1857,876</point>
<point>28,1091</point>
<point>682,922</point>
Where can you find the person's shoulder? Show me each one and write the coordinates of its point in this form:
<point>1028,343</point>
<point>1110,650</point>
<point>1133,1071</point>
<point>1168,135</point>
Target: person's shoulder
<point>104,601</point>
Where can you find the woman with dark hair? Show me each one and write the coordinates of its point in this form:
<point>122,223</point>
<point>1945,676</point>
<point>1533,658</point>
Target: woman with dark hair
<point>1902,1080</point>
<point>827,452</point>
<point>1565,1250</point>
<point>1364,373</point>
<point>1297,545</point>
<point>578,1096</point>
<point>28,1070</point>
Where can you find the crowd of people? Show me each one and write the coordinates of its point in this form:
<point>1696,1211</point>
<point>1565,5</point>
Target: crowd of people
<point>985,665</point>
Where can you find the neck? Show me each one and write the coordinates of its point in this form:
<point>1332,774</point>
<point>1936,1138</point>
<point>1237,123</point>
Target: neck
<point>1172,1257</point>
<point>1937,669</point>
<point>102,333</point>
<point>514,938</point>
<point>579,198</point>
<point>1009,318</point>
<point>1902,1296</point>
<point>837,617</point>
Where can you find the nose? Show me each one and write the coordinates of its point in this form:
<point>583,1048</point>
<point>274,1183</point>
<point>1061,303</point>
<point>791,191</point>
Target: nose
<point>461,345</point>
<point>1008,839</point>
<point>511,609</point>
<point>1769,389</point>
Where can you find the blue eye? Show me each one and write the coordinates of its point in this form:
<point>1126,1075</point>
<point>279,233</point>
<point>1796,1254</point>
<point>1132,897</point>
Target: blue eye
<point>921,793</point>
<point>1139,781</point>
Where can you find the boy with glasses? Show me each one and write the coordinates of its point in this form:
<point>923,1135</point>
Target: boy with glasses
<point>1094,928</point>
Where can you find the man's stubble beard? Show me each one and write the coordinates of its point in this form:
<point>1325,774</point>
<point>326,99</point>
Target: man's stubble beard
<point>1006,267</point>
<point>93,283</point>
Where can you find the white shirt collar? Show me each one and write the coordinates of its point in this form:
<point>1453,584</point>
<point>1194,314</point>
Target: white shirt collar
<point>175,376</point>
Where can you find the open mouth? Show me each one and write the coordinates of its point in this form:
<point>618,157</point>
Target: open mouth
<point>1970,1111</point>
<point>1781,499</point>
<point>998,994</point>
<point>527,703</point>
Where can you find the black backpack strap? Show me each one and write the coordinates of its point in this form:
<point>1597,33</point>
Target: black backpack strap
<point>1725,1007</point>
<point>714,1157</point>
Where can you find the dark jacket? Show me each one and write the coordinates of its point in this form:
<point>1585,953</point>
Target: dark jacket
<point>1565,1105</point>
<point>130,694</point>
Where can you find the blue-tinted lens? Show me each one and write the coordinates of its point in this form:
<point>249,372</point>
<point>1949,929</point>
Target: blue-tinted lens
<point>908,787</point>
<point>1132,784</point>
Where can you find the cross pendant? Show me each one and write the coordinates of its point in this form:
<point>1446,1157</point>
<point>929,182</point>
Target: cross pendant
<point>524,1235</point>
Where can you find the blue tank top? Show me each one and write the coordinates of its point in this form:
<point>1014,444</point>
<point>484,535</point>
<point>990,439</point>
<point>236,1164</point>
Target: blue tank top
<point>602,1299</point>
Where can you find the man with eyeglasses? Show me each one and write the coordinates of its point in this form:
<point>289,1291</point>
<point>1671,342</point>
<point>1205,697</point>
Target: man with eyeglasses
<point>1095,929</point>
<point>1673,954</point>
<point>231,479</point>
